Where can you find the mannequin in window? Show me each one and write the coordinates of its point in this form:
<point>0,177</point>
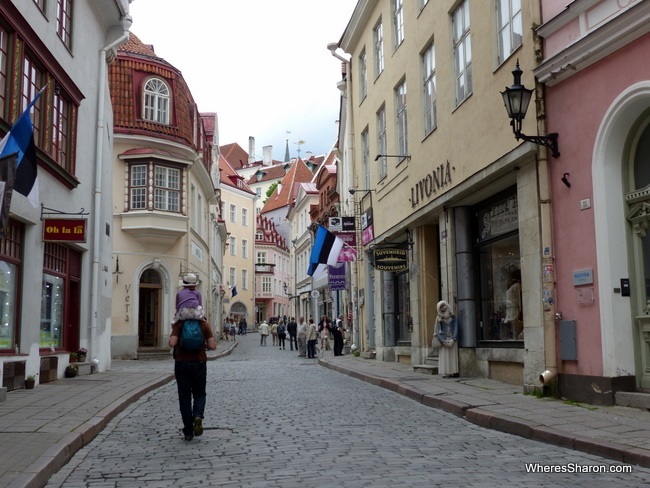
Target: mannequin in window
<point>513,317</point>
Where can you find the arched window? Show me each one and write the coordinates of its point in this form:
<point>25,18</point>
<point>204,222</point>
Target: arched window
<point>156,101</point>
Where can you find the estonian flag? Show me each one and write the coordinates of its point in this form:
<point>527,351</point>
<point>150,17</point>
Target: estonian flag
<point>234,291</point>
<point>326,250</point>
<point>20,139</point>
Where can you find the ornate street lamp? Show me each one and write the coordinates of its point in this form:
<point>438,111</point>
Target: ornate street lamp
<point>516,99</point>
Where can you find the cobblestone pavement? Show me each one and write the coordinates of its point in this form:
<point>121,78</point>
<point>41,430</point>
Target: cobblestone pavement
<point>275,419</point>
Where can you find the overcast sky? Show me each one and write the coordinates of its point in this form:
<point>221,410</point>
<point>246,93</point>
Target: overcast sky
<point>262,65</point>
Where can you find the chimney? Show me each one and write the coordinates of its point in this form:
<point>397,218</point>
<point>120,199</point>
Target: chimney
<point>267,155</point>
<point>251,149</point>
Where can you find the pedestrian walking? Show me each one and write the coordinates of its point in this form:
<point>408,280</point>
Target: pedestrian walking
<point>337,334</point>
<point>312,339</point>
<point>302,337</point>
<point>274,332</point>
<point>324,335</point>
<point>292,329</point>
<point>264,332</point>
<point>190,370</point>
<point>282,335</point>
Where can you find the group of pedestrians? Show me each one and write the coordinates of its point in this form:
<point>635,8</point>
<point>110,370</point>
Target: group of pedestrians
<point>305,336</point>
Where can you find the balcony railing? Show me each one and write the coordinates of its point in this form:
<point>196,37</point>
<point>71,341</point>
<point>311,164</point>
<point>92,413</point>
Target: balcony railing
<point>264,268</point>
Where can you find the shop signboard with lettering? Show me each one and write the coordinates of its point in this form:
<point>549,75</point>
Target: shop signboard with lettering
<point>64,230</point>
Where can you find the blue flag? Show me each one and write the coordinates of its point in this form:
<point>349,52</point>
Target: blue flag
<point>234,291</point>
<point>20,139</point>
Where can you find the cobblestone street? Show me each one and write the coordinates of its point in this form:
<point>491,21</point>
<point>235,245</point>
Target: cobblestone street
<point>275,419</point>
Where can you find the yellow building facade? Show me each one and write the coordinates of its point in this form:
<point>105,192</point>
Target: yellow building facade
<point>442,185</point>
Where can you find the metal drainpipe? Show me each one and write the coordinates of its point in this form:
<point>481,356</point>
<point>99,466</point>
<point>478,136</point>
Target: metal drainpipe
<point>99,148</point>
<point>548,279</point>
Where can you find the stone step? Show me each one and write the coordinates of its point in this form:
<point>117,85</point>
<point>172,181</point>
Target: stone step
<point>154,353</point>
<point>425,369</point>
<point>633,399</point>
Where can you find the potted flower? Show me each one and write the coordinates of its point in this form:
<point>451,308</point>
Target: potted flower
<point>73,357</point>
<point>30,381</point>
<point>82,353</point>
<point>71,370</point>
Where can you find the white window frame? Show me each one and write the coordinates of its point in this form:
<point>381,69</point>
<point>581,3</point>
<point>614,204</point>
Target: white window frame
<point>244,248</point>
<point>509,27</point>
<point>244,217</point>
<point>365,158</point>
<point>429,89</point>
<point>398,22</point>
<point>261,257</point>
<point>156,101</point>
<point>139,190</point>
<point>266,284</point>
<point>462,52</point>
<point>233,277</point>
<point>233,213</point>
<point>167,188</point>
<point>401,119</point>
<point>382,143</point>
<point>232,245</point>
<point>363,75</point>
<point>244,279</point>
<point>378,37</point>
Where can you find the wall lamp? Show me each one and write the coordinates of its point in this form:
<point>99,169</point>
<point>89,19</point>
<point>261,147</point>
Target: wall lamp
<point>516,99</point>
<point>401,156</point>
<point>354,190</point>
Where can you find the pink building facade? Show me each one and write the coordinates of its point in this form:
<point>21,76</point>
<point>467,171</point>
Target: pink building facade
<point>597,91</point>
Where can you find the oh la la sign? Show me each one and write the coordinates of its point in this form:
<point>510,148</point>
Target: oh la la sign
<point>428,186</point>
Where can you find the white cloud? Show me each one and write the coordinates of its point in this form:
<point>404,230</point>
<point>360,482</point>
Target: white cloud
<point>262,65</point>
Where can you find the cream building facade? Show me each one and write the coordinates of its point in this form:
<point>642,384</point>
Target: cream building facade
<point>443,184</point>
<point>166,201</point>
<point>238,206</point>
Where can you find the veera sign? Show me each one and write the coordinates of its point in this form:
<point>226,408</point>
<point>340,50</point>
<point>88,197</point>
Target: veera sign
<point>64,230</point>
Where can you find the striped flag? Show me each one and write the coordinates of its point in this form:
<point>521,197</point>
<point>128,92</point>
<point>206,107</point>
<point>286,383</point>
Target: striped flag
<point>7,178</point>
<point>326,250</point>
<point>20,139</point>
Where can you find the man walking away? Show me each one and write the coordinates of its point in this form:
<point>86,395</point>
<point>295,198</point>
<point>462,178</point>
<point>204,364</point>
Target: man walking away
<point>312,339</point>
<point>292,329</point>
<point>190,369</point>
<point>264,333</point>
<point>282,335</point>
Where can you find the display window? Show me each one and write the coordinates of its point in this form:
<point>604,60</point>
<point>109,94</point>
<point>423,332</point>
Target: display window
<point>501,311</point>
<point>10,268</point>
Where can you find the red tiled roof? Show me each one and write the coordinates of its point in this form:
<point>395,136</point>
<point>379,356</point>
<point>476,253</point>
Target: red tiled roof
<point>285,193</point>
<point>229,177</point>
<point>234,154</point>
<point>269,173</point>
<point>135,63</point>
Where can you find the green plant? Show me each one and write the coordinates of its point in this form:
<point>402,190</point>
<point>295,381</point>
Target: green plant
<point>31,377</point>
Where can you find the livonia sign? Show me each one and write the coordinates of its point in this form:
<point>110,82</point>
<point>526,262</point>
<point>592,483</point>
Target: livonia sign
<point>428,186</point>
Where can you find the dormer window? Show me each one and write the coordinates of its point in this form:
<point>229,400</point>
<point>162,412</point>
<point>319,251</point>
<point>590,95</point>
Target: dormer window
<point>156,101</point>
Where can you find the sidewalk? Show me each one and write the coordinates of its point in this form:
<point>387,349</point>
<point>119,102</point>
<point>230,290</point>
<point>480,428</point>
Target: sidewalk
<point>618,433</point>
<point>41,429</point>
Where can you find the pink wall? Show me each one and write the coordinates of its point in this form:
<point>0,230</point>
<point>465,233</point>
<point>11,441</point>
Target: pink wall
<point>575,109</point>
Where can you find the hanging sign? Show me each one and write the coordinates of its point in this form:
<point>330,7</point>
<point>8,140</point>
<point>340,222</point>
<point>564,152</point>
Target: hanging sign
<point>64,230</point>
<point>391,259</point>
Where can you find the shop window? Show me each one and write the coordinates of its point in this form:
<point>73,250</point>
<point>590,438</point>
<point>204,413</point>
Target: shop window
<point>10,260</point>
<point>501,311</point>
<point>59,296</point>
